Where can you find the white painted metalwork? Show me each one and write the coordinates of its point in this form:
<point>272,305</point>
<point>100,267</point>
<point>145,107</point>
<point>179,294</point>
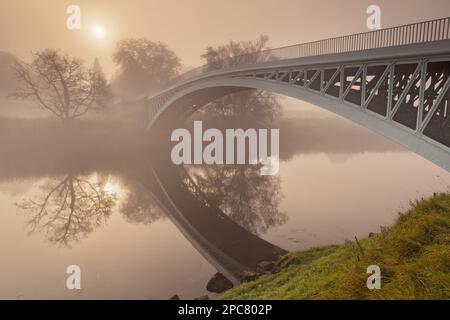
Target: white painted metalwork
<point>394,81</point>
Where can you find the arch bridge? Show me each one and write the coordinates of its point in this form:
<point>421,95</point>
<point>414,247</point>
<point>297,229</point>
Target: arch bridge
<point>393,81</point>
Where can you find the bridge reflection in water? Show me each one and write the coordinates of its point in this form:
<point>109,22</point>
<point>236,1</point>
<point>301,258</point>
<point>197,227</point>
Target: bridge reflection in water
<point>230,248</point>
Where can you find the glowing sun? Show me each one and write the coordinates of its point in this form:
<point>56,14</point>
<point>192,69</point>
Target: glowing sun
<point>98,32</point>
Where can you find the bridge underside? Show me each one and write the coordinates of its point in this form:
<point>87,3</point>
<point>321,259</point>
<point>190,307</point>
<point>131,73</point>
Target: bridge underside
<point>404,99</point>
<point>413,94</point>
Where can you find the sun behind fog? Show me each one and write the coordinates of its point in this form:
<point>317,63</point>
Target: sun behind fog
<point>98,32</point>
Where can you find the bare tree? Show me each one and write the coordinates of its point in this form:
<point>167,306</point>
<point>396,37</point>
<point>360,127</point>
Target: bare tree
<point>69,209</point>
<point>61,84</point>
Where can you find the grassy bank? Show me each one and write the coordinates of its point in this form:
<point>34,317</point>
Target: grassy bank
<point>413,254</point>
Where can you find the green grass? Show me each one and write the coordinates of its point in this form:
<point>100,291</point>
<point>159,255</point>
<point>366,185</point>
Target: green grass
<point>413,254</point>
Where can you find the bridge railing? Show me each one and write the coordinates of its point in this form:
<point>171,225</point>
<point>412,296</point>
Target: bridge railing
<point>415,33</point>
<point>427,31</point>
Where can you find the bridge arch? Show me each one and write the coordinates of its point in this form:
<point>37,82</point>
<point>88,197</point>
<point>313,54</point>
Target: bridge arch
<point>393,81</point>
<point>196,95</point>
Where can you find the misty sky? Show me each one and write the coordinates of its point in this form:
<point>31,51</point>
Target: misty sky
<point>189,26</point>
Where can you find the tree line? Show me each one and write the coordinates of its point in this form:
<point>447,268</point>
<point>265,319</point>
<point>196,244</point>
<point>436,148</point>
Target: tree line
<point>67,87</point>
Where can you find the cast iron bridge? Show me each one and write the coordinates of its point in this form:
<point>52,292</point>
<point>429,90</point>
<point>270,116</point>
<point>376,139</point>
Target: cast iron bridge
<point>393,81</point>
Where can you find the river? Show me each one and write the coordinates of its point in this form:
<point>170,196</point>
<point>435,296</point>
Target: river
<point>336,181</point>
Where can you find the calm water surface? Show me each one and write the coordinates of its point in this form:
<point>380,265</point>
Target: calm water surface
<point>335,183</point>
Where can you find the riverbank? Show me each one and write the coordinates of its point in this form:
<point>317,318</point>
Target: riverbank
<point>413,254</point>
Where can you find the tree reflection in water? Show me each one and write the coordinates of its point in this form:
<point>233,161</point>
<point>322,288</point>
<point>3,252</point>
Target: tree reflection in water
<point>70,209</point>
<point>240,191</point>
<point>139,206</point>
<point>248,198</point>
